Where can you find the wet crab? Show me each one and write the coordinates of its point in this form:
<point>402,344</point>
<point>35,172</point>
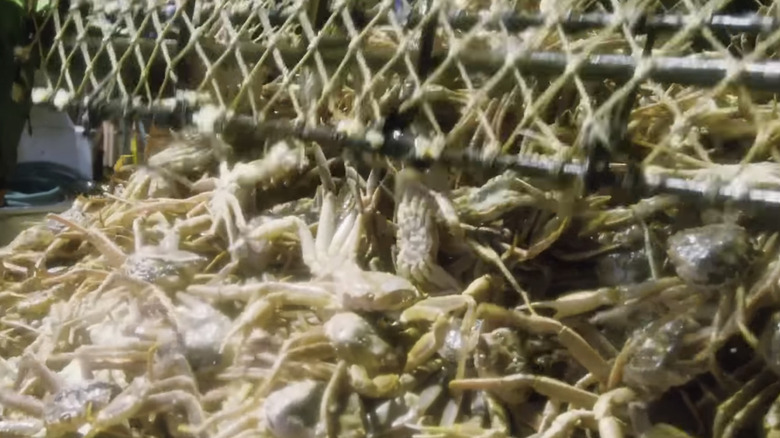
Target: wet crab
<point>293,411</point>
<point>419,211</point>
<point>291,406</point>
<point>142,397</point>
<point>229,191</point>
<point>66,407</point>
<point>133,324</point>
<point>372,363</point>
<point>163,264</point>
<point>160,386</point>
<point>309,408</point>
<point>338,281</point>
<point>189,153</point>
<point>417,215</point>
<point>438,310</point>
<point>717,258</point>
<point>663,354</point>
<point>707,260</point>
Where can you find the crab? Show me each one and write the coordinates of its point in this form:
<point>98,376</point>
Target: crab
<point>127,332</point>
<point>338,281</point>
<point>285,405</point>
<point>227,191</point>
<point>80,213</point>
<point>709,259</point>
<point>38,302</point>
<point>438,310</point>
<point>549,387</point>
<point>498,196</point>
<point>30,240</point>
<point>165,383</point>
<point>621,300</point>
<point>308,408</point>
<point>144,397</point>
<point>293,411</point>
<point>713,256</point>
<point>713,259</point>
<point>371,362</point>
<point>148,182</point>
<point>64,410</point>
<point>500,352</point>
<point>625,242</point>
<point>417,232</point>
<point>621,217</point>
<point>667,352</point>
<point>663,354</point>
<point>418,210</point>
<point>202,329</point>
<point>164,264</point>
<point>189,153</point>
<point>586,409</point>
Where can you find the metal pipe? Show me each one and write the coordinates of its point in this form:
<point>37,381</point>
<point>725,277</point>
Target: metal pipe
<point>759,76</point>
<point>572,22</point>
<point>400,146</point>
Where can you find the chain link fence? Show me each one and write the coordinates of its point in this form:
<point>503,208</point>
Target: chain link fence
<point>671,84</point>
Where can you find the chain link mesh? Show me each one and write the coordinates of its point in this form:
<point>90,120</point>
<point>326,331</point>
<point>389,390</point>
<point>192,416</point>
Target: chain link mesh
<point>492,77</point>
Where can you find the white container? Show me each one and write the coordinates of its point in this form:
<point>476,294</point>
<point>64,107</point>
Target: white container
<point>55,139</point>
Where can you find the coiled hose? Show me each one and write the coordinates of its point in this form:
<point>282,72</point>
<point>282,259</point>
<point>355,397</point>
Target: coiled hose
<point>40,183</point>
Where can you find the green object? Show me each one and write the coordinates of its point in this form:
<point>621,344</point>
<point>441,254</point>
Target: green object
<point>16,73</point>
<point>662,430</point>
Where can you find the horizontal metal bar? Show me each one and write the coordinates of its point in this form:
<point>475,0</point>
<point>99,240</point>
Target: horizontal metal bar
<point>573,22</point>
<point>401,147</point>
<point>719,193</point>
<point>763,76</point>
<point>174,112</point>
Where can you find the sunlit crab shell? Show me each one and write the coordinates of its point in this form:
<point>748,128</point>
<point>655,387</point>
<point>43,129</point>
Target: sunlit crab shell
<point>622,267</point>
<point>712,255</point>
<point>358,342</point>
<point>69,408</point>
<point>165,272</point>
<point>293,411</point>
<point>204,329</point>
<point>664,355</point>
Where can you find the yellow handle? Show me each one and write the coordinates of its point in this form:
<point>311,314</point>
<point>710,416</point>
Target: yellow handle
<point>121,162</point>
<point>138,143</point>
<point>134,147</point>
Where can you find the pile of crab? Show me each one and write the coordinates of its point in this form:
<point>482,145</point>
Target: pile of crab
<point>299,293</point>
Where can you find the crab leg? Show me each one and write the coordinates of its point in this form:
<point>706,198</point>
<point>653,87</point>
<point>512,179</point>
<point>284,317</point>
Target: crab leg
<point>564,424</point>
<point>23,403</point>
<point>113,254</point>
<point>265,306</point>
<point>21,428</point>
<point>574,343</point>
<point>546,386</point>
